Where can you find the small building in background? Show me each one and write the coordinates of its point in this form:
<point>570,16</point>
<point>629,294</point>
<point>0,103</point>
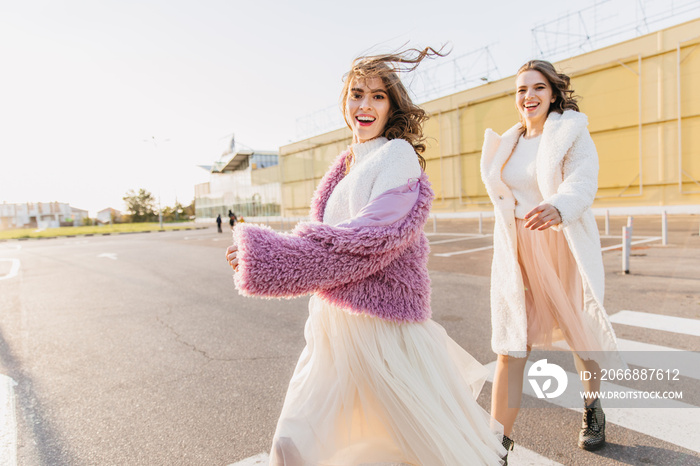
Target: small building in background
<point>245,181</point>
<point>109,215</point>
<point>40,215</point>
<point>79,217</point>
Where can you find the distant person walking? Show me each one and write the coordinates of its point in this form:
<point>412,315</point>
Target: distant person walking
<point>218,222</point>
<point>232,219</point>
<point>547,279</point>
<point>378,382</point>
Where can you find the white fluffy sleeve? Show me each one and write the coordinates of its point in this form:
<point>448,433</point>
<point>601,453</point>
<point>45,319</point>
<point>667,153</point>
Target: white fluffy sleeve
<point>580,180</point>
<point>395,169</point>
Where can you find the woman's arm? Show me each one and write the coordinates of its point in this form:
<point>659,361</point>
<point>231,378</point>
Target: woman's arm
<point>285,265</point>
<point>319,256</point>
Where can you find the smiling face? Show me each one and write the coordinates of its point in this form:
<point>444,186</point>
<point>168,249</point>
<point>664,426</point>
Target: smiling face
<point>367,108</point>
<point>533,98</point>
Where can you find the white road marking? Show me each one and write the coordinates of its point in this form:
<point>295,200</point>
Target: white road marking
<point>468,251</point>
<point>442,241</point>
<point>688,366</point>
<point>15,247</point>
<point>456,234</point>
<point>657,322</point>
<point>261,459</point>
<point>641,241</point>
<point>108,255</point>
<point>8,422</point>
<point>14,269</point>
<point>676,424</point>
<point>641,354</point>
<point>520,456</point>
<point>470,236</point>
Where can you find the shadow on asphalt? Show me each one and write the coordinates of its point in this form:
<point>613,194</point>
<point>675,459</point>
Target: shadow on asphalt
<point>643,454</point>
<point>31,417</point>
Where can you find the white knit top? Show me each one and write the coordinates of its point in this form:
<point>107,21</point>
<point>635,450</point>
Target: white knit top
<point>520,175</point>
<point>380,165</point>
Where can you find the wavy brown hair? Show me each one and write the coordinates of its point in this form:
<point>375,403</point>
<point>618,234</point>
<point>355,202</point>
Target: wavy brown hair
<point>558,82</point>
<point>405,118</point>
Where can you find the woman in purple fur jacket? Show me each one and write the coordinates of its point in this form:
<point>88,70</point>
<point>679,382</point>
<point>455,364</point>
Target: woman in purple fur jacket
<point>378,382</point>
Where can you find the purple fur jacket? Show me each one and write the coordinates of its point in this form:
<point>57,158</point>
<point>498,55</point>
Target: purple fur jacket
<point>375,264</point>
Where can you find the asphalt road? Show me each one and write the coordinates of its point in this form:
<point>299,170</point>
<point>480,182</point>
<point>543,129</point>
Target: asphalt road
<point>136,349</point>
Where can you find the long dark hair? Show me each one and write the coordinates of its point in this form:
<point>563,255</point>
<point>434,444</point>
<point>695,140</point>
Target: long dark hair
<point>405,118</point>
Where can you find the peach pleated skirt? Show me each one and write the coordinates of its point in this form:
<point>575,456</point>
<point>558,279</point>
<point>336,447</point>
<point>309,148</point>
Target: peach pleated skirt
<point>553,291</point>
<point>372,392</point>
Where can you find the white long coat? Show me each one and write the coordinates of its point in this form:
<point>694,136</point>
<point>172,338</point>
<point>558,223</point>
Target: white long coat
<point>567,175</point>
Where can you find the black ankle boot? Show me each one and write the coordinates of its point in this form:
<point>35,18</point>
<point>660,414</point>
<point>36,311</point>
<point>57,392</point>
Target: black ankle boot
<point>508,445</point>
<point>592,435</point>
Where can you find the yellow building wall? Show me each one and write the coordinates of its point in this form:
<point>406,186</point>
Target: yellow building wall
<point>630,92</point>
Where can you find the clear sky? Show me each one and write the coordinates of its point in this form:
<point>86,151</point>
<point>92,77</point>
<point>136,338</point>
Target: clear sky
<point>86,84</point>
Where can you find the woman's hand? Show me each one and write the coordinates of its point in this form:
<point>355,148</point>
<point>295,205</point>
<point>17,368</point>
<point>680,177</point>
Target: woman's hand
<point>231,256</point>
<point>542,217</point>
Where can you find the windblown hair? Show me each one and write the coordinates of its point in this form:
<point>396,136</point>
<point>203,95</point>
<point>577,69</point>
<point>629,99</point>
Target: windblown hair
<point>559,82</point>
<point>405,118</point>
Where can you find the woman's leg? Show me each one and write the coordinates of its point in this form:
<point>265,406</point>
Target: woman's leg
<point>592,433</point>
<point>505,410</point>
<point>593,383</point>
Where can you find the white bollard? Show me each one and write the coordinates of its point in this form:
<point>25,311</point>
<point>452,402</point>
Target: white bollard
<point>434,224</point>
<point>664,228</point>
<point>481,224</point>
<point>626,246</point>
<point>607,223</point>
<point>630,225</point>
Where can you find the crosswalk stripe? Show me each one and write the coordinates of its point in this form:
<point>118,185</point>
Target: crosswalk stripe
<point>638,354</point>
<point>647,355</point>
<point>520,456</point>
<point>257,460</point>
<point>676,424</point>
<point>657,322</point>
<point>8,422</point>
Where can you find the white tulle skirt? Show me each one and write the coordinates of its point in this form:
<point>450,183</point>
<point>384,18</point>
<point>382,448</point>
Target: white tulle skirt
<point>369,391</point>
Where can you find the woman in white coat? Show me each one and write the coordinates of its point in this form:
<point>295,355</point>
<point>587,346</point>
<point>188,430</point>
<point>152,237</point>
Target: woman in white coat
<point>547,280</point>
